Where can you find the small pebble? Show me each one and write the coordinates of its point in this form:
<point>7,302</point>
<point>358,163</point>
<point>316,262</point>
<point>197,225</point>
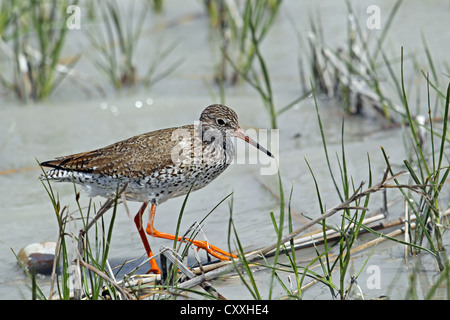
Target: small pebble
<point>39,256</point>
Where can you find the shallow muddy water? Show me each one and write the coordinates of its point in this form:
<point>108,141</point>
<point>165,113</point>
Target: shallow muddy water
<point>71,121</point>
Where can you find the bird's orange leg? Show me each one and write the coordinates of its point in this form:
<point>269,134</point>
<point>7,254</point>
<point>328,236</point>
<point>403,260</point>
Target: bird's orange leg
<point>212,250</point>
<point>138,221</point>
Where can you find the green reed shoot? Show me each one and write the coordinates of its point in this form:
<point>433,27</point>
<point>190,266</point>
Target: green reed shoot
<point>431,176</point>
<point>347,238</point>
<point>115,44</point>
<point>248,27</point>
<point>234,22</point>
<point>91,250</point>
<point>157,5</point>
<point>34,33</point>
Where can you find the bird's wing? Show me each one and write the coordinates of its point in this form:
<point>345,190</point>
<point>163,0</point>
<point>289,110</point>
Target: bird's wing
<point>134,157</point>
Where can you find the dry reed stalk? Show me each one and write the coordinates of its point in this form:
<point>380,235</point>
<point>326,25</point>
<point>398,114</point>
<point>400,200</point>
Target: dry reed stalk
<point>346,77</point>
<point>105,277</point>
<point>56,259</point>
<point>227,266</point>
<point>366,245</point>
<point>315,237</point>
<point>185,270</point>
<point>406,228</point>
<point>212,271</point>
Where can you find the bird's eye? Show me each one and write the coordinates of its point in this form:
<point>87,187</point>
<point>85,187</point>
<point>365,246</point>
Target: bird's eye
<point>220,122</point>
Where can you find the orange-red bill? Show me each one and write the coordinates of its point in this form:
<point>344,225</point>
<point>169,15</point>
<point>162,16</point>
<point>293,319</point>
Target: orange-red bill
<point>241,135</point>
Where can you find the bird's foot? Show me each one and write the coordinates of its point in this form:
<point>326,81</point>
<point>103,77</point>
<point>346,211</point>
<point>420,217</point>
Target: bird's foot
<point>213,250</point>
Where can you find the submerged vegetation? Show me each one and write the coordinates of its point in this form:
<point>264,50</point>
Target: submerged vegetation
<point>115,41</point>
<point>351,77</point>
<point>241,30</point>
<point>32,36</point>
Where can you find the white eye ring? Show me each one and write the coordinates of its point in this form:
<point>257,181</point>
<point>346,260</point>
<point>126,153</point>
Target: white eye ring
<point>220,122</point>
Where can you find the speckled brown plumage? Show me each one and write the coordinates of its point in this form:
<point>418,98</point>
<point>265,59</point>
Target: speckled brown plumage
<point>157,165</point>
<point>135,157</point>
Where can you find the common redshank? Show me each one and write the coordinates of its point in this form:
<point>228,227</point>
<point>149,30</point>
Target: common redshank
<point>157,166</point>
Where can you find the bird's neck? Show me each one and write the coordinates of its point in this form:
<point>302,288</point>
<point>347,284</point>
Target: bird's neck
<point>216,143</point>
